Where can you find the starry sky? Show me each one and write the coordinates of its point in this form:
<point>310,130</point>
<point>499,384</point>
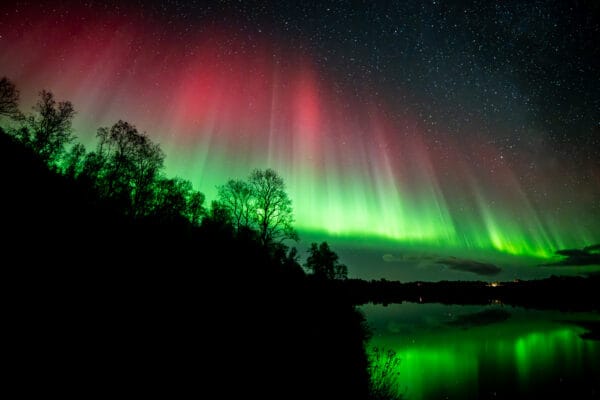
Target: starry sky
<point>422,139</point>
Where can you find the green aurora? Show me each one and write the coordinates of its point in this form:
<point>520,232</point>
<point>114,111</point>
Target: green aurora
<point>358,169</point>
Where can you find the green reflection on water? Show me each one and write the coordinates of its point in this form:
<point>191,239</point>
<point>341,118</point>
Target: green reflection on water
<point>528,353</point>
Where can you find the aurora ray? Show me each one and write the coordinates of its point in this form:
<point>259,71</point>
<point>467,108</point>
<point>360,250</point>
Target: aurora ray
<point>221,104</point>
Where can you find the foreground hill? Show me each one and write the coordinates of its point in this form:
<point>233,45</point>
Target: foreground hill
<point>100,303</point>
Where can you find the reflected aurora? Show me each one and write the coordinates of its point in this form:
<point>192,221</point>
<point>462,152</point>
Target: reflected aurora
<point>527,353</point>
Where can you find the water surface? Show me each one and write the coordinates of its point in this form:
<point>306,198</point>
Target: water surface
<point>469,352</point>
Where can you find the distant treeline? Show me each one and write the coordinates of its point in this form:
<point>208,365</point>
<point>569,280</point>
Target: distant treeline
<point>558,293</point>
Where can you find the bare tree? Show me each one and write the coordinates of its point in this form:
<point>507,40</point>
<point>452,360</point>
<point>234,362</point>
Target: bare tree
<point>237,197</point>
<point>148,161</point>
<point>130,165</point>
<point>51,127</point>
<point>260,204</point>
<point>272,207</point>
<point>9,99</point>
<point>195,207</point>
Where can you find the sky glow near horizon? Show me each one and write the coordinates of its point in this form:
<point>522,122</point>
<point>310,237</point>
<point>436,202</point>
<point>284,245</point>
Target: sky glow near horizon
<point>357,162</point>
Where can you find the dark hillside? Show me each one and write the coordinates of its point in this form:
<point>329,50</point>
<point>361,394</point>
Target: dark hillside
<point>102,303</point>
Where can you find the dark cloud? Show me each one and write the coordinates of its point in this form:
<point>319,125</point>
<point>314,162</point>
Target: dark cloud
<point>476,267</point>
<point>589,255</point>
<point>454,263</point>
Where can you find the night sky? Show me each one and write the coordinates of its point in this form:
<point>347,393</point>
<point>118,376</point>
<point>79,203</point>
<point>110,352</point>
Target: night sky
<point>423,139</point>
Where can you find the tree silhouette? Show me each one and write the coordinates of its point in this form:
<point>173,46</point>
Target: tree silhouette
<point>51,129</point>
<point>288,258</point>
<point>237,197</point>
<point>273,207</point>
<point>195,207</point>
<point>217,219</point>
<point>175,198</point>
<point>74,161</point>
<point>260,204</point>
<point>9,99</point>
<point>148,161</point>
<point>127,165</point>
<point>171,198</point>
<point>93,165</point>
<point>323,262</point>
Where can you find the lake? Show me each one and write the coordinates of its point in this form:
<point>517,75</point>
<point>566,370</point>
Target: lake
<point>496,351</point>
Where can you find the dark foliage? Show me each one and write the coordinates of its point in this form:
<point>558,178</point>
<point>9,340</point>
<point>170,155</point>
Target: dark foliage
<point>9,99</point>
<point>49,129</point>
<point>323,263</point>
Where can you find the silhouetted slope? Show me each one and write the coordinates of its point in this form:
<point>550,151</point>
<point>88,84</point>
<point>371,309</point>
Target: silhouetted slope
<point>104,304</point>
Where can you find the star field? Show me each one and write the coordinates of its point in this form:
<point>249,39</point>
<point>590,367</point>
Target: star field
<point>472,126</point>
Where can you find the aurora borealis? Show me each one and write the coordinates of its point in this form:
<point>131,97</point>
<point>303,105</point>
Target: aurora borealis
<point>466,130</point>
